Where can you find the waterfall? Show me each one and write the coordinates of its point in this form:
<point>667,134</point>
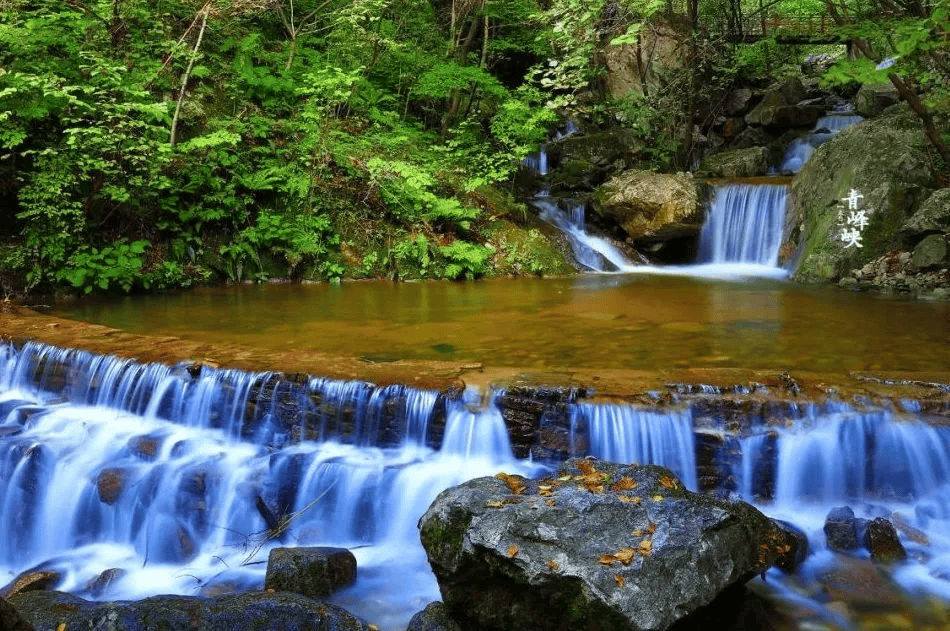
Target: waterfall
<point>593,253</point>
<point>744,224</point>
<point>626,434</point>
<point>800,149</point>
<point>156,470</point>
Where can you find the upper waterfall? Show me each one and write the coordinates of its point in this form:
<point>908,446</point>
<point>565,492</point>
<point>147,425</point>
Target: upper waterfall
<point>744,225</point>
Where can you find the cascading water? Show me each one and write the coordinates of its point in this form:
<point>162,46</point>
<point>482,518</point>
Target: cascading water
<point>800,149</point>
<point>156,471</point>
<point>593,253</point>
<point>744,225</point>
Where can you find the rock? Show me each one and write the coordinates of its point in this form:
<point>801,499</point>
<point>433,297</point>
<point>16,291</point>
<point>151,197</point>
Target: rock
<point>882,542</point>
<point>313,572</point>
<point>736,163</point>
<point>797,546</point>
<point>626,546</point>
<point>98,585</point>
<point>30,581</point>
<point>881,163</point>
<point>933,216</point>
<point>10,619</point>
<point>782,107</point>
<point>255,610</point>
<point>931,252</point>
<point>861,584</point>
<point>871,100</point>
<point>146,447</point>
<point>660,50</point>
<point>737,103</point>
<point>841,530</point>
<point>110,483</point>
<point>433,618</point>
<point>654,205</point>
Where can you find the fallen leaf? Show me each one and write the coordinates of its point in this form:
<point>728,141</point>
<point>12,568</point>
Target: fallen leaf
<point>651,528</point>
<point>565,478</point>
<point>595,488</point>
<point>637,533</point>
<point>630,499</point>
<point>608,559</point>
<point>586,467</point>
<point>619,579</point>
<point>511,500</point>
<point>646,546</point>
<point>668,482</point>
<point>657,498</point>
<point>550,503</point>
<point>553,565</point>
<point>624,484</point>
<point>512,551</point>
<point>625,555</point>
<point>494,503</point>
<point>61,626</point>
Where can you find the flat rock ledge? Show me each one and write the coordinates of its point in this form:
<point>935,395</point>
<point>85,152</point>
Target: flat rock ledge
<point>596,546</point>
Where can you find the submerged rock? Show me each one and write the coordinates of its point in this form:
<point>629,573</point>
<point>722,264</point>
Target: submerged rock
<point>626,546</point>
<point>263,611</point>
<point>313,572</point>
<point>433,618</point>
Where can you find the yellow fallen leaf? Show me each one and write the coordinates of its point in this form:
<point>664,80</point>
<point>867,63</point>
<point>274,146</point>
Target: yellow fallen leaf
<point>651,528</point>
<point>553,565</point>
<point>625,555</point>
<point>630,499</point>
<point>512,551</point>
<point>668,482</point>
<point>637,533</point>
<point>657,498</point>
<point>494,503</point>
<point>565,478</point>
<point>586,467</point>
<point>550,503</point>
<point>624,484</point>
<point>619,579</point>
<point>608,559</point>
<point>61,626</point>
<point>646,546</point>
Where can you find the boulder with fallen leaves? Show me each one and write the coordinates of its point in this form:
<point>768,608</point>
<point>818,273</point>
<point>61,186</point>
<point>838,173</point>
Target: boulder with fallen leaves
<point>596,545</point>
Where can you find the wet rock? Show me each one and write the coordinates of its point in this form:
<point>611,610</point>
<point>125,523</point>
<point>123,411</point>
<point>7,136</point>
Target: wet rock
<point>283,611</point>
<point>737,102</point>
<point>882,542</point>
<point>146,447</point>
<point>10,619</point>
<point>538,417</point>
<point>314,572</point>
<point>110,483</point>
<point>871,100</point>
<point>781,107</point>
<point>931,252</point>
<point>433,618</point>
<point>841,529</point>
<point>31,581</point>
<point>795,548</point>
<point>98,585</point>
<point>600,541</point>
<point>749,162</point>
<point>861,584</point>
<point>651,205</point>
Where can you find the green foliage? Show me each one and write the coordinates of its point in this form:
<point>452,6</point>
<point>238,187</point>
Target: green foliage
<point>412,257</point>
<point>116,265</point>
<point>406,187</point>
<point>468,260</point>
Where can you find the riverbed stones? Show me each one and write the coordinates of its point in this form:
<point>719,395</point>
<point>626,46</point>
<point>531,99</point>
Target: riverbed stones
<point>625,545</point>
<point>315,572</point>
<point>49,611</point>
<point>881,540</point>
<point>110,484</point>
<point>841,531</point>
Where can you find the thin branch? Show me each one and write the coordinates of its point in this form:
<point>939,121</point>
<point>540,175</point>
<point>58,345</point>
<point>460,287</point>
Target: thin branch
<point>191,64</point>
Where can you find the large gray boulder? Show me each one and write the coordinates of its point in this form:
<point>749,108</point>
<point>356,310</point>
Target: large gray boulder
<point>871,100</point>
<point>877,168</point>
<point>262,611</point>
<point>598,545</point>
<point>651,205</point>
<point>749,162</point>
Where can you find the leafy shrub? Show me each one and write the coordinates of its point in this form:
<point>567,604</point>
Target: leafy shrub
<point>466,259</point>
<point>117,265</point>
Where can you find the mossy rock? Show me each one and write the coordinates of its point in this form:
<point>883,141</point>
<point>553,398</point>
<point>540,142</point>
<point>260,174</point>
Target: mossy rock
<point>533,250</point>
<point>885,163</point>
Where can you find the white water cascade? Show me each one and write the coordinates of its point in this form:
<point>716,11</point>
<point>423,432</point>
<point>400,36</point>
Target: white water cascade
<point>593,253</point>
<point>800,149</point>
<point>744,225</point>
<point>106,464</point>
